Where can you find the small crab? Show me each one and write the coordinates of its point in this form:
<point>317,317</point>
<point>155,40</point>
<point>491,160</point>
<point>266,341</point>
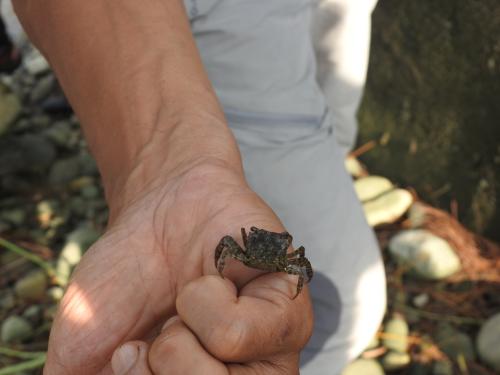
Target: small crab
<point>265,251</point>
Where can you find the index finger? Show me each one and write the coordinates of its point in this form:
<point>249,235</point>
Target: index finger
<point>262,322</point>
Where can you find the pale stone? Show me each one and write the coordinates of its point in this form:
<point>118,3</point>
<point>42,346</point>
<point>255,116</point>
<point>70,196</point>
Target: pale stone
<point>371,186</point>
<point>395,360</point>
<point>76,243</point>
<point>15,329</point>
<point>488,342</point>
<point>32,286</point>
<point>417,215</point>
<point>427,255</point>
<point>35,63</point>
<point>396,331</point>
<point>363,367</point>
<point>454,343</point>
<point>442,368</point>
<point>64,170</point>
<point>354,167</point>
<point>10,108</point>
<point>388,207</point>
<point>55,293</point>
<point>421,300</point>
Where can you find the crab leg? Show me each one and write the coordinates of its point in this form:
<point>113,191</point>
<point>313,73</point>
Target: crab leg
<point>302,262</point>
<point>301,252</point>
<point>244,237</point>
<point>293,270</point>
<point>227,247</point>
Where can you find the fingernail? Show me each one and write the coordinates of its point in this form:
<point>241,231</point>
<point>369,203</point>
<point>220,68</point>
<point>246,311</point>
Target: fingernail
<point>170,322</point>
<point>124,358</point>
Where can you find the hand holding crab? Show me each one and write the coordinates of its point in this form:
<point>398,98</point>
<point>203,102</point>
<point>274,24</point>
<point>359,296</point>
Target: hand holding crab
<point>265,251</point>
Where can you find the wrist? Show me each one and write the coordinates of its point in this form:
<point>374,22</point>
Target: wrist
<point>191,144</point>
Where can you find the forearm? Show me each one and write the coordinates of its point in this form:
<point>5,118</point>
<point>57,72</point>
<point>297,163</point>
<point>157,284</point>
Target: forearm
<point>134,77</point>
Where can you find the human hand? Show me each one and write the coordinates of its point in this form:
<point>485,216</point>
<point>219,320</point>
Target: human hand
<point>159,249</point>
<point>218,331</point>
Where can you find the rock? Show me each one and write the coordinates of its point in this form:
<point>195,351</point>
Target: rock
<point>429,256</point>
<point>454,343</point>
<point>76,243</point>
<point>59,220</point>
<point>33,314</point>
<point>34,62</point>
<point>417,215</point>
<point>15,216</point>
<point>50,312</point>
<point>32,286</point>
<point>42,88</point>
<point>64,170</point>
<point>420,300</point>
<point>442,368</point>
<point>419,369</point>
<point>15,329</point>
<point>39,152</point>
<point>87,164</point>
<point>79,183</point>
<point>4,226</point>
<point>388,207</point>
<point>370,187</point>
<point>7,301</point>
<point>60,133</point>
<point>78,206</point>
<point>10,108</point>
<point>363,367</point>
<point>374,343</point>
<point>55,293</point>
<point>395,360</point>
<point>40,120</point>
<point>22,125</point>
<point>46,210</point>
<point>354,167</point>
<point>89,192</point>
<point>63,272</point>
<point>396,331</point>
<point>30,152</point>
<point>488,342</point>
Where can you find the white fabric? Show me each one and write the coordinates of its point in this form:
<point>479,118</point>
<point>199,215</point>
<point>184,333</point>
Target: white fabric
<point>259,56</point>
<point>12,24</point>
<point>341,37</point>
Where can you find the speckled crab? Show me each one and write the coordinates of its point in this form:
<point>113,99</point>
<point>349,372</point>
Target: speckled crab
<point>266,251</point>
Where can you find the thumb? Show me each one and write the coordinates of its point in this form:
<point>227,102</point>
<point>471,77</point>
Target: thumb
<point>131,359</point>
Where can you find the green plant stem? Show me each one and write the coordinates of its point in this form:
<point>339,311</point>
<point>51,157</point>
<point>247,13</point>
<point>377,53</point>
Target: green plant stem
<point>19,354</point>
<point>29,256</point>
<point>31,364</point>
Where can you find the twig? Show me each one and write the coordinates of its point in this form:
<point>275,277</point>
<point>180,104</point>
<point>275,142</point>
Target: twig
<point>29,256</point>
<point>363,148</point>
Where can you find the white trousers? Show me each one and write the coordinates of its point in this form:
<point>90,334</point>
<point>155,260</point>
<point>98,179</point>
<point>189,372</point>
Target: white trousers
<point>290,74</point>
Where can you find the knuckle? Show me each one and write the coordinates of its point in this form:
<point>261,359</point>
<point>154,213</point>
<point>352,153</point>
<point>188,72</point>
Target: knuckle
<point>227,342</point>
<point>166,347</point>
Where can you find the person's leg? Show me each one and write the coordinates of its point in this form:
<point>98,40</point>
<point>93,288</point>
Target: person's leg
<point>260,60</point>
<point>341,38</point>
<point>299,172</point>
